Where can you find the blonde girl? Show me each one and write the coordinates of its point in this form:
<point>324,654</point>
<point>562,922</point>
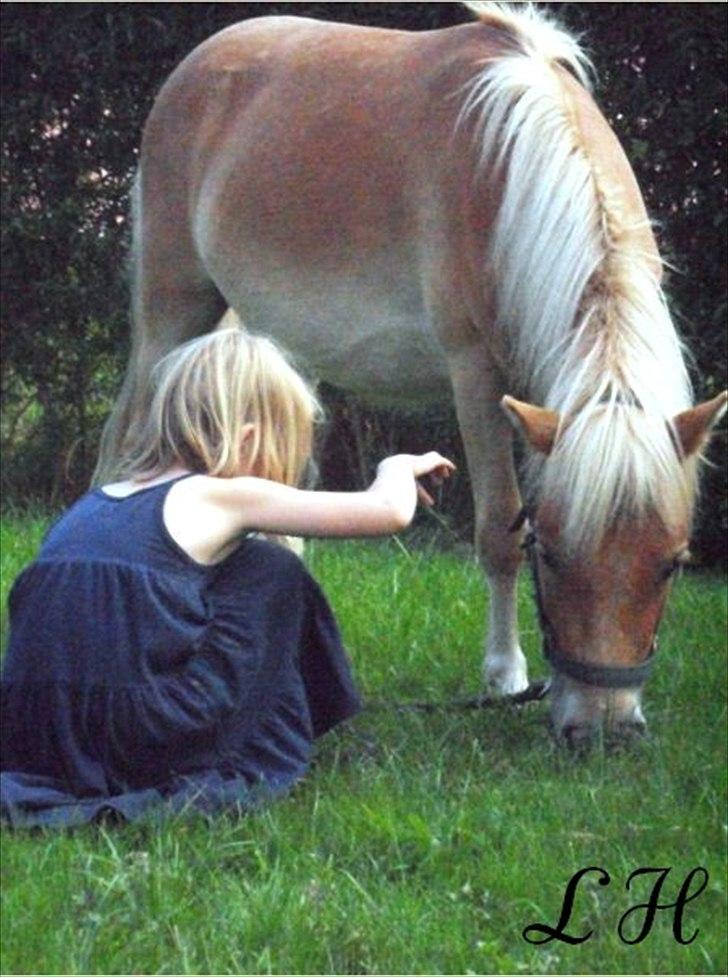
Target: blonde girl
<point>162,654</point>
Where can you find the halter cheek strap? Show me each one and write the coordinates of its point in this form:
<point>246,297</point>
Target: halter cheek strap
<point>601,676</point>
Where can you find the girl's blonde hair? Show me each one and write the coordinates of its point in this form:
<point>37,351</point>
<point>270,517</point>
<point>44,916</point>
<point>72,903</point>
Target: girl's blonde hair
<point>202,396</point>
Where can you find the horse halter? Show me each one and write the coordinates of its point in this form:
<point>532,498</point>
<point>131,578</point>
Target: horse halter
<point>601,676</point>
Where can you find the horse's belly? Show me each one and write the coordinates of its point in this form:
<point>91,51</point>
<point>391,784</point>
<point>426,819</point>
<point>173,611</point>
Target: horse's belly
<point>351,335</point>
<point>346,298</point>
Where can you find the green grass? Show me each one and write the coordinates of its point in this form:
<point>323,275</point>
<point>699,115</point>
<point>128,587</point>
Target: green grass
<point>419,842</point>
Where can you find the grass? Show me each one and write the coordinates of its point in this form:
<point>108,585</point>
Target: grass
<point>419,842</point>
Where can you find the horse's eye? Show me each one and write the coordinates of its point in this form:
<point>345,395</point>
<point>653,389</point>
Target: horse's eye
<point>548,559</point>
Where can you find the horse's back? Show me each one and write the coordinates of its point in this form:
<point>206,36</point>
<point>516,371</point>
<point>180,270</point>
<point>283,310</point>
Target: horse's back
<point>312,159</point>
<point>340,93</point>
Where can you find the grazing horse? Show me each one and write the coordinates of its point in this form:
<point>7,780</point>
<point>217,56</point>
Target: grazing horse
<point>446,214</point>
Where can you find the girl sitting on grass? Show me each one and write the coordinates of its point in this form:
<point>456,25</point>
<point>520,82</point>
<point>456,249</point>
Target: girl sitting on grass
<point>163,654</point>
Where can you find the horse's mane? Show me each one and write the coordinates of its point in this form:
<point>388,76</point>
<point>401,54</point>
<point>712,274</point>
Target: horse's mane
<point>588,327</point>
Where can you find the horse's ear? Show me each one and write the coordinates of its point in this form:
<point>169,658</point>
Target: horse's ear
<point>537,424</point>
<point>693,426</point>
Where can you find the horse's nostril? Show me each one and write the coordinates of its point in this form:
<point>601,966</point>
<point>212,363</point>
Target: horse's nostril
<point>582,736</point>
<point>634,727</point>
<point>576,735</point>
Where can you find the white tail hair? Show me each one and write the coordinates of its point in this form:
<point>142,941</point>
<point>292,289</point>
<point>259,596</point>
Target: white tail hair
<point>580,302</point>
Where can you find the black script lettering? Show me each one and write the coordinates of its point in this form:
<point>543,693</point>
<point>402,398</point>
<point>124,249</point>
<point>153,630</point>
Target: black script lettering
<point>558,932</point>
<point>653,904</point>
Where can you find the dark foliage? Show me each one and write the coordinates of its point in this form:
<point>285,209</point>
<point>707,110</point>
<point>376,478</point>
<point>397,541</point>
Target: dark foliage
<point>78,81</point>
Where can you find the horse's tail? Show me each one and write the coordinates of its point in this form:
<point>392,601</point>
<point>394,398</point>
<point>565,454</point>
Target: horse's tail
<point>536,34</point>
<point>119,421</point>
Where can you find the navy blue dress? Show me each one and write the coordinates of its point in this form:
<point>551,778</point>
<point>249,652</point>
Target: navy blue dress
<point>137,679</point>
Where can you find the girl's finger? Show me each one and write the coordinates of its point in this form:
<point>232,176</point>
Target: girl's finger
<point>424,496</point>
<point>440,473</point>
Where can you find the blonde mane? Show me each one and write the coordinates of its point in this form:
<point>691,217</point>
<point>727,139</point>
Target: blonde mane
<point>588,327</point>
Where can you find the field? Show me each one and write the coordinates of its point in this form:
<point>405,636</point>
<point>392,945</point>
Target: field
<point>420,842</point>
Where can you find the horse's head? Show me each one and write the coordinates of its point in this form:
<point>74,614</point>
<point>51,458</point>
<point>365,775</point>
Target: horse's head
<point>600,599</point>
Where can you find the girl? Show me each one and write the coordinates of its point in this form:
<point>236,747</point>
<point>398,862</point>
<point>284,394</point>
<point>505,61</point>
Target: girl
<point>161,652</point>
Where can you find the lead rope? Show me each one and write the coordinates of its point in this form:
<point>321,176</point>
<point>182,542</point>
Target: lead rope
<point>534,693</point>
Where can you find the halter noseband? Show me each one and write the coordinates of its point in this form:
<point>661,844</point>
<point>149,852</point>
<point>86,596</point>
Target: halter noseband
<point>601,676</point>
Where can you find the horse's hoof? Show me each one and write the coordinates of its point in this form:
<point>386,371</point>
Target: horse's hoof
<point>506,681</point>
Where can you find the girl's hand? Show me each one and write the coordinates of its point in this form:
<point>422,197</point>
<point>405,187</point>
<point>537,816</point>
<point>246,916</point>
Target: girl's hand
<point>433,465</point>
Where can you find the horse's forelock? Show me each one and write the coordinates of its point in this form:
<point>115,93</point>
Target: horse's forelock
<point>611,461</point>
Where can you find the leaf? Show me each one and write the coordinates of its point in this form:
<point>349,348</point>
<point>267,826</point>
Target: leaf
<point>639,148</point>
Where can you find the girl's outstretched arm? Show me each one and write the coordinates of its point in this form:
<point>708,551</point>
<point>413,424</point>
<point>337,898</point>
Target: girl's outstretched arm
<point>205,515</point>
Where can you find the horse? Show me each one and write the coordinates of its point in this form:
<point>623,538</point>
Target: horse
<point>446,214</point>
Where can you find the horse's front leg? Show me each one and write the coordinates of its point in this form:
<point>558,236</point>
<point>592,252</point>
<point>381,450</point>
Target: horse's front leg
<point>488,439</point>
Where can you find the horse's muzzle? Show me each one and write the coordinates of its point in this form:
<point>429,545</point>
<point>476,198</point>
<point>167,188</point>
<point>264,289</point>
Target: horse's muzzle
<point>580,714</point>
<point>578,737</point>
